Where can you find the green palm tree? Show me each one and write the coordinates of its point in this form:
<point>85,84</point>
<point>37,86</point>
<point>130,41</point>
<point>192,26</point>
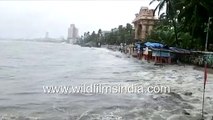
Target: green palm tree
<point>171,12</point>
<point>194,15</point>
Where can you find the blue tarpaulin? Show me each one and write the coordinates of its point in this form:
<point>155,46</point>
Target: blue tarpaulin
<point>153,45</point>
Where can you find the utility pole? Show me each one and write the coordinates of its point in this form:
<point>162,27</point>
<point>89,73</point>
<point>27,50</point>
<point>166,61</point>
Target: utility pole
<point>207,35</point>
<point>205,68</point>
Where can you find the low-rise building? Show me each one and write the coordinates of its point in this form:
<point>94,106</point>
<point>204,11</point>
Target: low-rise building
<point>143,23</point>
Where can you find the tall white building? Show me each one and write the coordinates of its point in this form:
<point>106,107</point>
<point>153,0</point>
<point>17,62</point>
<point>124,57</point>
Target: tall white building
<point>47,35</point>
<point>72,34</point>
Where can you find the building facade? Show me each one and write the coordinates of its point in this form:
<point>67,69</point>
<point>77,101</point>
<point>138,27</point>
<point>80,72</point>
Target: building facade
<point>47,35</point>
<point>72,34</point>
<point>143,23</point>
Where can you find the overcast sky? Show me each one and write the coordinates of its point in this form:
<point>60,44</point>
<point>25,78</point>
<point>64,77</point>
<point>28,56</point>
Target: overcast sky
<point>30,19</point>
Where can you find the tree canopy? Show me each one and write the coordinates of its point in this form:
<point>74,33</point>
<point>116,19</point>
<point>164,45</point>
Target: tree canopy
<point>184,23</point>
<point>121,34</point>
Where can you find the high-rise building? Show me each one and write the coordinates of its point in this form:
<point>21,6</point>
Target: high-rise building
<point>72,34</point>
<point>47,35</point>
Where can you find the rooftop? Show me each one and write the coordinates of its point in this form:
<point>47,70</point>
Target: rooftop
<point>144,13</point>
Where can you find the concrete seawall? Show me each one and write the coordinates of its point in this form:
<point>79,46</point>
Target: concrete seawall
<point>199,58</point>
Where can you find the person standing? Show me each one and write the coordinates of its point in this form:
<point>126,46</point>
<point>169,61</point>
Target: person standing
<point>138,51</point>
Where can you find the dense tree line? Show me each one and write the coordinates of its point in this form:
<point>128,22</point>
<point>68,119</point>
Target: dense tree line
<point>121,34</point>
<point>184,23</point>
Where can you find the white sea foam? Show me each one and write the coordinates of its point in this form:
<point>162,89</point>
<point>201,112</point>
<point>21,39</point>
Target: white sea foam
<point>27,66</point>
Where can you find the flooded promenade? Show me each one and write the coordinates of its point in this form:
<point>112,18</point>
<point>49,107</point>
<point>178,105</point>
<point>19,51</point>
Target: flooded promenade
<point>25,67</point>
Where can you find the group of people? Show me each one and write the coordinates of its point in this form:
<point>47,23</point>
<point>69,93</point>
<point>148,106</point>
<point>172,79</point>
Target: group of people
<point>123,48</point>
<point>131,49</point>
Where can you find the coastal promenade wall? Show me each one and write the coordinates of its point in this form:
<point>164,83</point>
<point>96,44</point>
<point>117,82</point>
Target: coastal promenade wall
<point>199,58</point>
<point>195,57</point>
